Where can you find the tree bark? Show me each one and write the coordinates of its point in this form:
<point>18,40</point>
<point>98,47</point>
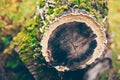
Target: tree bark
<point>73,34</point>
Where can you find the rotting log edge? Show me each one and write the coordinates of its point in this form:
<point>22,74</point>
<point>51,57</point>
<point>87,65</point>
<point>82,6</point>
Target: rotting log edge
<point>80,17</point>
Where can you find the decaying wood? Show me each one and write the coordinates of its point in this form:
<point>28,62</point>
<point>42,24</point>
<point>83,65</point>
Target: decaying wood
<point>72,39</point>
<point>87,28</point>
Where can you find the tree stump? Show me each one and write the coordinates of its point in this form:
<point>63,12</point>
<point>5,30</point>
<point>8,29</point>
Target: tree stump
<point>73,34</point>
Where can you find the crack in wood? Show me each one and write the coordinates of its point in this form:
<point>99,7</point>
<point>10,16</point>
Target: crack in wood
<point>70,43</point>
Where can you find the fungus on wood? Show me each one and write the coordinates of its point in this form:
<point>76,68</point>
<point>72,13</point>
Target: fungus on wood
<point>73,34</point>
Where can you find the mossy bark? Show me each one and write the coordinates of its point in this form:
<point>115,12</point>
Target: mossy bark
<point>27,42</point>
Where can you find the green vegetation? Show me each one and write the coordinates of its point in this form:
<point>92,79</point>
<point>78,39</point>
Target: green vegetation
<point>114,21</point>
<point>41,3</point>
<point>15,17</point>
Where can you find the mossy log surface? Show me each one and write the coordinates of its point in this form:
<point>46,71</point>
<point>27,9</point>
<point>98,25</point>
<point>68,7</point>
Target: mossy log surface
<point>65,35</point>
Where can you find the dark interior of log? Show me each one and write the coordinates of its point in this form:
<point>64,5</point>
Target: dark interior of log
<point>71,43</point>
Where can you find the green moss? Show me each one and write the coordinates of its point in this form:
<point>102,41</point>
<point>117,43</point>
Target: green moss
<point>41,3</point>
<point>38,19</point>
<point>50,11</point>
<point>25,39</point>
<point>73,1</point>
<point>103,77</point>
<point>12,62</point>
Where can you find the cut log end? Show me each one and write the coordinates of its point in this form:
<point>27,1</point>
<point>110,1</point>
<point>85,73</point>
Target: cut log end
<point>72,42</point>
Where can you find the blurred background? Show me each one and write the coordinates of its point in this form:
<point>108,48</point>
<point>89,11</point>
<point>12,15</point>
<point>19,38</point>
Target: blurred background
<point>14,14</point>
<point>114,24</point>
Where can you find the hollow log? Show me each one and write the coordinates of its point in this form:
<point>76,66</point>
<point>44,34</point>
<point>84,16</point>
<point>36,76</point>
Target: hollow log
<point>73,40</point>
<point>73,34</point>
